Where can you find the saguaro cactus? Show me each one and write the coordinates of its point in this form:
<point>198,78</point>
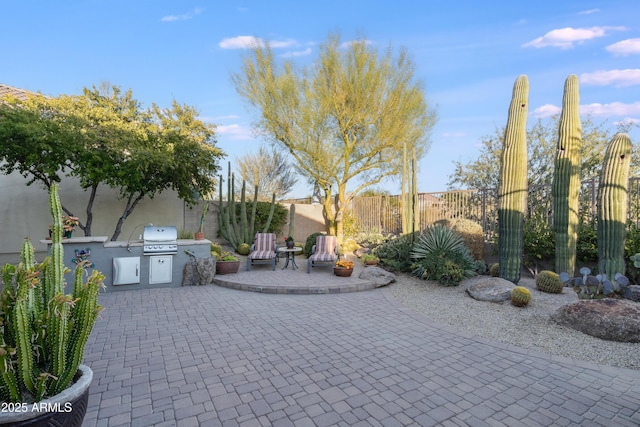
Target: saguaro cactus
<point>566,178</point>
<point>512,195</point>
<point>292,219</point>
<point>612,205</point>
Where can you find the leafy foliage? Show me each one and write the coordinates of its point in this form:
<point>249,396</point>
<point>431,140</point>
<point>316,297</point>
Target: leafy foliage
<point>539,240</point>
<point>343,119</point>
<point>587,243</point>
<point>395,252</point>
<point>441,255</point>
<point>278,220</point>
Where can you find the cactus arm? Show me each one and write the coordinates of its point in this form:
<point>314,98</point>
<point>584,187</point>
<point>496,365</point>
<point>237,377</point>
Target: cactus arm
<point>612,205</point>
<point>244,233</point>
<point>270,217</point>
<point>23,331</point>
<point>512,196</point>
<point>566,178</point>
<point>292,218</point>
<point>254,207</point>
<point>9,382</point>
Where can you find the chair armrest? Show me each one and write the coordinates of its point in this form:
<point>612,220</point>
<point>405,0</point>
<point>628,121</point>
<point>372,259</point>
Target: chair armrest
<point>313,249</point>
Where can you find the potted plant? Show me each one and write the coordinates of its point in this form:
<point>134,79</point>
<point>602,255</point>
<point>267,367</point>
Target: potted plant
<point>343,268</point>
<point>228,263</point>
<point>289,242</point>
<point>200,233</point>
<point>69,224</point>
<point>43,334</point>
<point>370,259</point>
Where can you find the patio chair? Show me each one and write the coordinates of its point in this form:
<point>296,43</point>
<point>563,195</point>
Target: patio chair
<point>263,250</point>
<point>323,253</point>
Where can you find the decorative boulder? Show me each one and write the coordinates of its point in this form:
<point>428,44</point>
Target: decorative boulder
<point>631,292</point>
<point>493,289</point>
<point>361,251</point>
<point>379,276</point>
<point>609,319</point>
<point>200,271</point>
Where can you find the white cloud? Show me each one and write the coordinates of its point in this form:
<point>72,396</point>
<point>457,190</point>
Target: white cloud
<point>625,47</point>
<point>183,17</point>
<point>589,12</point>
<point>565,38</point>
<point>454,134</point>
<point>616,109</point>
<point>546,110</point>
<point>244,42</point>
<point>617,78</point>
<point>235,132</point>
<point>349,43</point>
<point>295,53</point>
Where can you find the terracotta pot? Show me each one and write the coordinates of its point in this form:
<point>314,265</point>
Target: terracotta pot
<point>371,262</point>
<point>227,267</point>
<point>65,409</point>
<point>342,272</point>
<point>199,235</point>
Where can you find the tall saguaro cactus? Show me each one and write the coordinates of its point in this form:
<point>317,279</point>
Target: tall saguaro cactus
<point>612,205</point>
<point>512,195</point>
<point>566,178</point>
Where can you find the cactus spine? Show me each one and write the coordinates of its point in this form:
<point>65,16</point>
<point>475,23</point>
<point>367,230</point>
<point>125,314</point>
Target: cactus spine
<point>47,328</point>
<point>239,229</point>
<point>549,281</point>
<point>566,178</point>
<point>512,196</point>
<point>612,205</point>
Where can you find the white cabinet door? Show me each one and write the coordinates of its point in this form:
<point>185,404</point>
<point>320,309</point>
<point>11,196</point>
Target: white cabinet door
<point>160,269</point>
<point>126,270</point>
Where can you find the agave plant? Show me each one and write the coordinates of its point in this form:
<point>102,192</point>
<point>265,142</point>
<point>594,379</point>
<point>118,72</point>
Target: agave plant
<point>440,254</point>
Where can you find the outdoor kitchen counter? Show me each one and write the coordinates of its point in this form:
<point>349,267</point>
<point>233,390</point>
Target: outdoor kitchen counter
<point>101,252</point>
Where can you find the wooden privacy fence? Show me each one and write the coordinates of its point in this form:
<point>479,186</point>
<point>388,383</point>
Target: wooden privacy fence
<point>384,213</point>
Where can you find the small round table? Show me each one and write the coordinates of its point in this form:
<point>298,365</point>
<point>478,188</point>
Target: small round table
<point>291,255</point>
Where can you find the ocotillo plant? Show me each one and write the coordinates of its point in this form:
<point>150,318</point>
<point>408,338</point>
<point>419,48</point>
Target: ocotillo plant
<point>612,205</point>
<point>512,195</point>
<point>43,331</point>
<point>566,178</point>
<point>240,229</point>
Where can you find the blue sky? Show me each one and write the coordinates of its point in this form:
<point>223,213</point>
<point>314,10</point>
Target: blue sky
<point>467,54</point>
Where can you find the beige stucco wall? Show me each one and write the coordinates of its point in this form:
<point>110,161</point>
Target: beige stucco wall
<point>24,212</point>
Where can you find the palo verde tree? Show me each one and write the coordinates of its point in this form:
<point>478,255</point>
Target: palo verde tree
<point>344,119</point>
<point>104,137</point>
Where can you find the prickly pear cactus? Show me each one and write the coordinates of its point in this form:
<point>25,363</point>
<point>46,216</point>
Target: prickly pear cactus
<point>612,205</point>
<point>520,296</point>
<point>512,196</point>
<point>566,177</point>
<point>549,281</point>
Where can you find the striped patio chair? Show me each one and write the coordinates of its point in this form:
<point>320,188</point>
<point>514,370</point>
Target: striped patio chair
<point>324,252</point>
<point>263,250</point>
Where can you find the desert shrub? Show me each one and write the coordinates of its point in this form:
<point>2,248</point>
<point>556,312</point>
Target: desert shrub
<point>395,252</point>
<point>350,226</point>
<point>370,238</point>
<point>587,243</point>
<point>539,241</point>
<point>308,245</point>
<point>279,219</point>
<point>440,254</point>
<point>185,234</point>
<point>471,232</point>
<point>480,266</point>
<point>632,247</point>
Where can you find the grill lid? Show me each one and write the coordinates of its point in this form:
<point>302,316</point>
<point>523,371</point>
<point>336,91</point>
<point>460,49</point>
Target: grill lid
<point>153,233</point>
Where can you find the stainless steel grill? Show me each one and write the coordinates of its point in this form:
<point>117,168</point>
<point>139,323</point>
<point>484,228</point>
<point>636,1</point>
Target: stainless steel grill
<point>160,240</point>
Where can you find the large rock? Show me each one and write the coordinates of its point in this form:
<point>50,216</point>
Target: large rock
<point>609,319</point>
<point>632,292</point>
<point>200,271</point>
<point>377,275</point>
<point>493,289</point>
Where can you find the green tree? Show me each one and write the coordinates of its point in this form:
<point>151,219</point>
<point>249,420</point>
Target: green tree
<point>269,170</point>
<point>344,119</point>
<point>542,137</point>
<point>105,137</point>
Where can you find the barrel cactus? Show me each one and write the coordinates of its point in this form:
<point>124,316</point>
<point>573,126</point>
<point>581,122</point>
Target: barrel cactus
<point>243,249</point>
<point>494,270</point>
<point>512,195</point>
<point>549,281</point>
<point>612,205</point>
<point>520,296</point>
<point>566,177</point>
